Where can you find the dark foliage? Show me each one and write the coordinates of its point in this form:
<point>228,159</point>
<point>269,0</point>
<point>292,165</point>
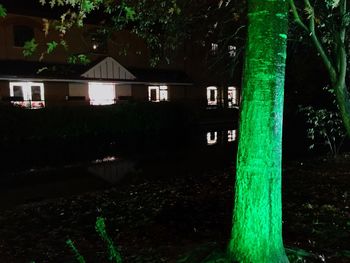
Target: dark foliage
<point>124,121</point>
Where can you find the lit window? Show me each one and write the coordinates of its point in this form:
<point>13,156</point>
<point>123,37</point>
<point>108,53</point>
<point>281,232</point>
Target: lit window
<point>212,138</point>
<point>101,93</point>
<point>99,45</point>
<point>27,94</point>
<point>158,93</point>
<point>232,97</point>
<point>231,135</point>
<point>214,48</point>
<point>212,96</point>
<point>22,34</point>
<point>232,50</point>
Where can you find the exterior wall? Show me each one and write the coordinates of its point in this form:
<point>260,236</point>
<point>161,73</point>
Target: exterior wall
<point>4,90</point>
<point>123,92</point>
<point>56,93</point>
<point>7,48</point>
<point>139,92</point>
<point>136,55</point>
<point>125,47</point>
<point>79,90</point>
<point>177,93</point>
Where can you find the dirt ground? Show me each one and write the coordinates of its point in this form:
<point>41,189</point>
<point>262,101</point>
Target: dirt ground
<point>167,219</point>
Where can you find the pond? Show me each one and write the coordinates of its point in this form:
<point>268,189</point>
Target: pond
<point>49,171</point>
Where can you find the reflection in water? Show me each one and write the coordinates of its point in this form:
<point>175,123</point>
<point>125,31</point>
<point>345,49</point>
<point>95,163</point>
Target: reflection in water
<point>106,159</point>
<point>231,135</point>
<point>224,137</point>
<point>212,138</point>
<point>112,169</point>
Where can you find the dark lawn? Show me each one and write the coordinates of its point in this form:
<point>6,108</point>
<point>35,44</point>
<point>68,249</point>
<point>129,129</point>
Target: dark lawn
<point>163,219</point>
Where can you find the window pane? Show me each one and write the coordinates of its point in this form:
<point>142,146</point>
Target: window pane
<point>163,94</point>
<point>27,94</point>
<point>212,96</point>
<point>22,34</point>
<point>18,91</point>
<point>153,95</point>
<point>36,93</point>
<point>101,93</point>
<point>232,96</point>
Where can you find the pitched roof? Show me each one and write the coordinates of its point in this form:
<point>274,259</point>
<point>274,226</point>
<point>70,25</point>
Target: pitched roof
<point>35,69</point>
<point>22,69</point>
<point>108,68</point>
<point>161,76</point>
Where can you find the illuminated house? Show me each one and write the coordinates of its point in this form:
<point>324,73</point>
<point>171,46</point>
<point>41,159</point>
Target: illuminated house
<point>112,77</point>
<point>103,83</point>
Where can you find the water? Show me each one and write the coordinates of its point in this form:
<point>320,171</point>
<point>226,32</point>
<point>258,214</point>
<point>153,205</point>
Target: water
<point>35,174</point>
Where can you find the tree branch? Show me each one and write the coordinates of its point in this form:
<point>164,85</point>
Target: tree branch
<point>342,58</point>
<point>297,17</point>
<point>317,43</point>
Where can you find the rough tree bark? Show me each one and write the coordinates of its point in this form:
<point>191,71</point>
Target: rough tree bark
<point>257,218</point>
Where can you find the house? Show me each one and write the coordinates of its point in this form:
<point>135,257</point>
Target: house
<point>103,83</point>
<point>113,76</point>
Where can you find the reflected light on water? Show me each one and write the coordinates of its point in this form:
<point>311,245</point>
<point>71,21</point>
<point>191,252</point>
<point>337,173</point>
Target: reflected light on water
<point>212,138</point>
<point>106,159</point>
<point>221,137</point>
<point>231,135</point>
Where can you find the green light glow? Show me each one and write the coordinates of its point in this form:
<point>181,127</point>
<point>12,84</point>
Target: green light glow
<point>257,218</point>
<point>114,254</point>
<point>76,252</point>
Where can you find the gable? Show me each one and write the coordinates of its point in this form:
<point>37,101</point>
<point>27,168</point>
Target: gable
<point>108,68</point>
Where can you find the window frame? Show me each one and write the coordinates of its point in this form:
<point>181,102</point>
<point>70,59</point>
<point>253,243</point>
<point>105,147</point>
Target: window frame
<point>101,101</point>
<point>27,92</point>
<point>211,102</point>
<point>232,100</point>
<point>162,93</point>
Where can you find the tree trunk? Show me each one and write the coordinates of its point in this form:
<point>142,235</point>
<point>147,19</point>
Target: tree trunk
<point>257,220</point>
<point>339,80</point>
<point>343,101</point>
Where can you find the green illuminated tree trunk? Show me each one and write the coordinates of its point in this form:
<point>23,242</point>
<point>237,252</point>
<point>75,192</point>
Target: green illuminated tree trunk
<point>257,220</point>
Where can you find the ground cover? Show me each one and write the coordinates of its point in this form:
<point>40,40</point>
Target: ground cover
<point>166,219</point>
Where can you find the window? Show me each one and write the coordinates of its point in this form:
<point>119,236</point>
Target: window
<point>27,94</point>
<point>99,45</point>
<point>232,50</point>
<point>214,48</point>
<point>212,96</point>
<point>17,92</point>
<point>232,97</point>
<point>96,38</point>
<point>22,34</point>
<point>158,93</point>
<point>101,93</point>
